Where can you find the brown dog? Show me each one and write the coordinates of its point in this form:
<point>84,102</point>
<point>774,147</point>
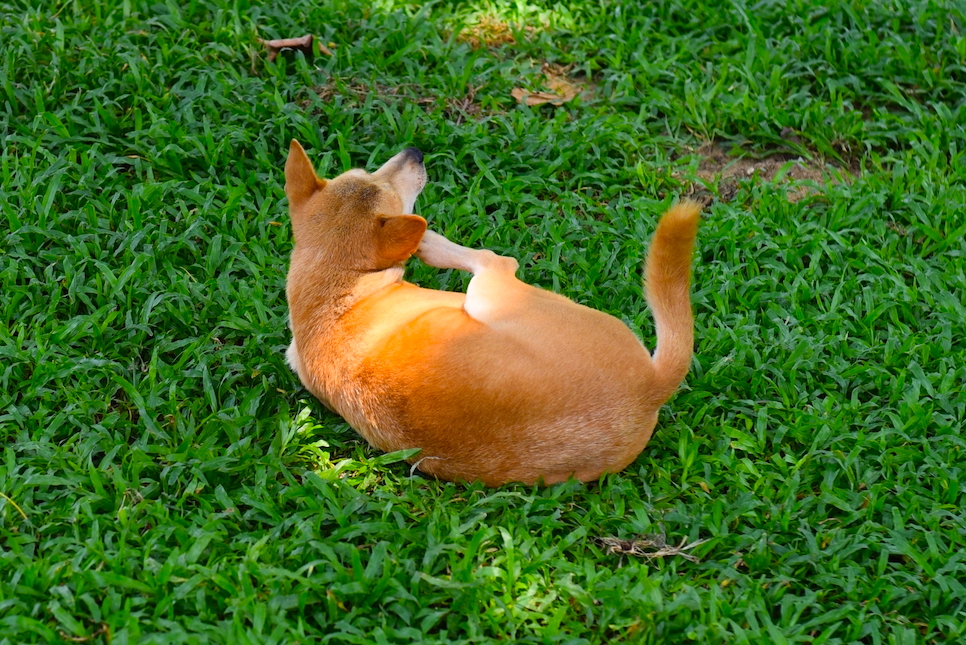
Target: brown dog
<point>506,382</point>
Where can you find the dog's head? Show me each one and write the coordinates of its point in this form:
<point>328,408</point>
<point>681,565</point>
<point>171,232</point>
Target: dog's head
<point>361,221</point>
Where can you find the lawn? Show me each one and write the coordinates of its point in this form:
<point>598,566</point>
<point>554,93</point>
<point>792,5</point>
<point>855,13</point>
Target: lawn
<point>164,478</point>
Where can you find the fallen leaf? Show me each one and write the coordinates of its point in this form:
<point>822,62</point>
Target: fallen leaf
<point>303,44</point>
<point>539,98</point>
<point>561,89</point>
<point>560,85</point>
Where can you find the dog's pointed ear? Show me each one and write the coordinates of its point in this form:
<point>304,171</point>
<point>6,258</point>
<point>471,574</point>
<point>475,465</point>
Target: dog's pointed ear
<point>301,182</point>
<point>399,237</point>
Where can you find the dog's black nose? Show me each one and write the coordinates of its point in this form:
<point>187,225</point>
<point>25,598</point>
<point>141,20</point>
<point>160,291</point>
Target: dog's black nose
<point>415,154</point>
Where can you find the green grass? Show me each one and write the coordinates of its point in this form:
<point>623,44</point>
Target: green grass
<point>165,479</point>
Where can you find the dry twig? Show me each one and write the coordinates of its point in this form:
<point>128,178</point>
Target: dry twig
<point>650,547</point>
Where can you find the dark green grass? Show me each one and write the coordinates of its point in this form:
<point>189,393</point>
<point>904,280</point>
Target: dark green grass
<point>165,479</point>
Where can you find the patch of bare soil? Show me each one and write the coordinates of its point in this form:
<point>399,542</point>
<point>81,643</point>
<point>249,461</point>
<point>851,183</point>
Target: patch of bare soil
<point>557,86</point>
<point>720,167</point>
<point>460,109</point>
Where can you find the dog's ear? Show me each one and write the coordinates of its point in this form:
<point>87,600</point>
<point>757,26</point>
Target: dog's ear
<point>399,236</point>
<point>301,181</point>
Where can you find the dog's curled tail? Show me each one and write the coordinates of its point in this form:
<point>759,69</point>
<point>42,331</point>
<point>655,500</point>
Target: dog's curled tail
<point>667,284</point>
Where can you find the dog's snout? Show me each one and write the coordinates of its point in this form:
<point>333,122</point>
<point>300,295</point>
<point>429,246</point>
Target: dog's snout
<point>407,175</point>
<point>415,154</point>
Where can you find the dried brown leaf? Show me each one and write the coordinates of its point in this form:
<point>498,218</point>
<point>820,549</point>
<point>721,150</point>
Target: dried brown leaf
<point>539,98</point>
<point>303,44</point>
<point>555,79</point>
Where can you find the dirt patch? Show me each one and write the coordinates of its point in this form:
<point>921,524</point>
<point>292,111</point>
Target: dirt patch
<point>459,109</point>
<point>556,81</point>
<point>726,167</point>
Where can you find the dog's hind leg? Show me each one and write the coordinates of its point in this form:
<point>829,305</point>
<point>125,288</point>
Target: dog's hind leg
<point>292,357</point>
<point>494,292</point>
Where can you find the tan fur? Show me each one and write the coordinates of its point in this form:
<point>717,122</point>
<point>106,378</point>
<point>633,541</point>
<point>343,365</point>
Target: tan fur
<point>506,382</point>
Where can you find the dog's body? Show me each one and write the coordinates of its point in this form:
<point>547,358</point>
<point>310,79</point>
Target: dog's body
<point>506,382</point>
